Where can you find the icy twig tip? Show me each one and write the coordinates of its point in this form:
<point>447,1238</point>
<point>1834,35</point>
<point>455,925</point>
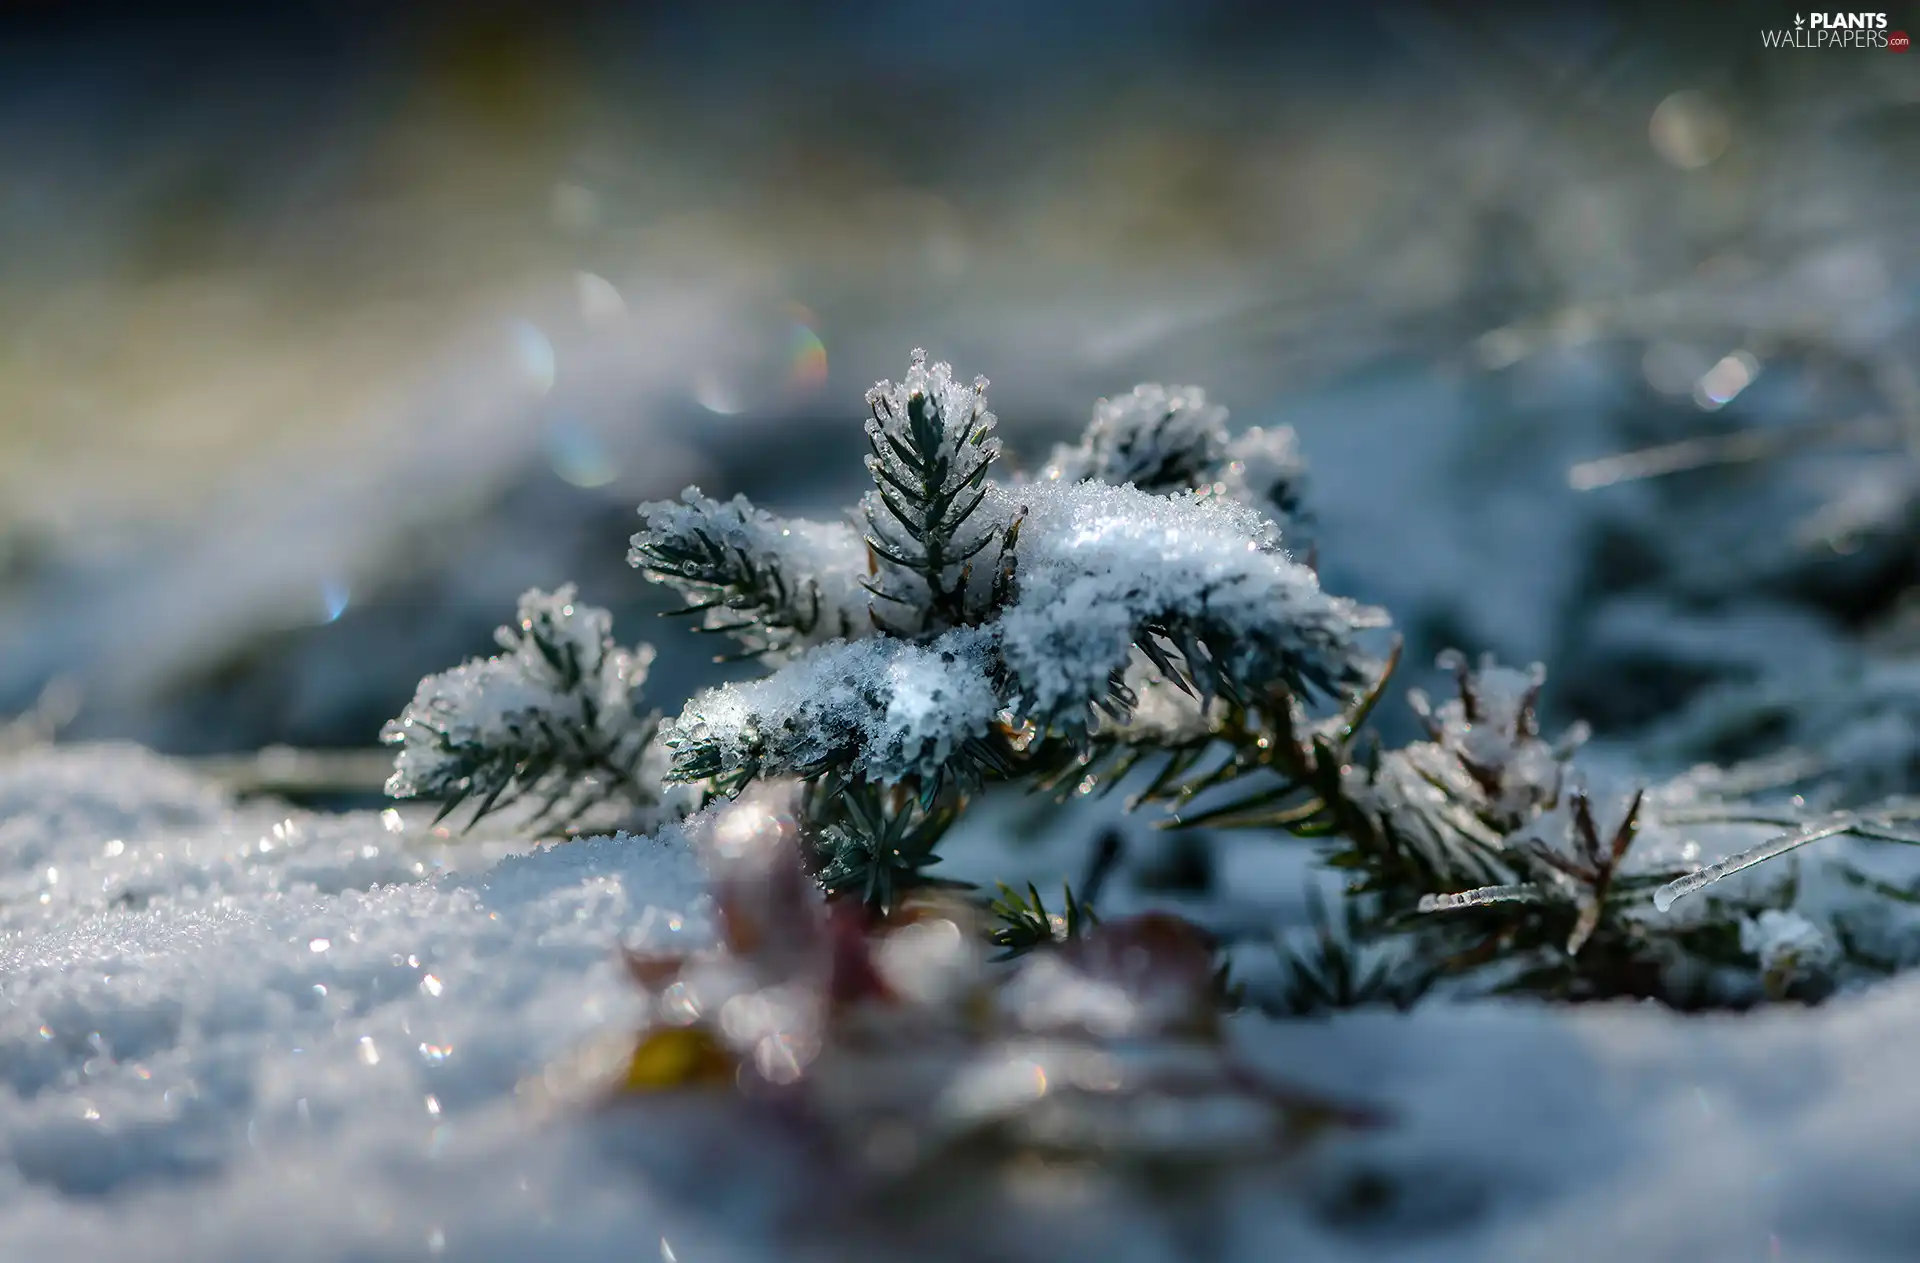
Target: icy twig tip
<point>1700,878</point>
<point>1478,897</point>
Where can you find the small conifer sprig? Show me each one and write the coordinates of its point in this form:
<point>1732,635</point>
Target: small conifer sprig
<point>1133,614</point>
<point>1340,966</point>
<point>1483,821</point>
<point>970,664</point>
<point>874,842</point>
<point>773,584</point>
<point>932,444</point>
<point>1023,922</point>
<point>555,718</point>
<point>1169,439</point>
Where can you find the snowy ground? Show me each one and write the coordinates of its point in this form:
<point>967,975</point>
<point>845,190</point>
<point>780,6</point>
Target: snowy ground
<point>233,1034</point>
<point>236,1032</point>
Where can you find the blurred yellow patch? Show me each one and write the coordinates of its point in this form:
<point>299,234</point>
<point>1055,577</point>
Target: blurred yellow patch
<point>678,1057</point>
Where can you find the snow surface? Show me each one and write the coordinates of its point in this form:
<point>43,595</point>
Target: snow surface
<point>231,1033</point>
<point>234,1034</point>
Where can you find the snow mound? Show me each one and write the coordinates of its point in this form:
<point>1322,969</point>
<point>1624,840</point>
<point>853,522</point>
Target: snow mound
<point>231,1033</point>
<point>242,1024</point>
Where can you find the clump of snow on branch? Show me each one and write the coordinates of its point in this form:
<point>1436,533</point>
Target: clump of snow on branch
<point>1489,733</point>
<point>555,714</point>
<point>1167,439</point>
<point>1452,802</point>
<point>1096,571</point>
<point>1787,944</point>
<point>774,584</point>
<point>1100,568</point>
<point>886,707</point>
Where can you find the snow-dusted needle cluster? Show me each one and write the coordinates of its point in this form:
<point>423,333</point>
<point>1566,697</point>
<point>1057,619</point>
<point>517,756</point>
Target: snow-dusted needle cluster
<point>556,716</point>
<point>994,604</point>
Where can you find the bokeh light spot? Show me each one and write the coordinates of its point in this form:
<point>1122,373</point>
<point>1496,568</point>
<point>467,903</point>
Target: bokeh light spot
<point>713,394</point>
<point>600,302</point>
<point>807,354</point>
<point>1722,383</point>
<point>578,455</point>
<point>335,596</point>
<point>1690,130</point>
<point>534,353</point>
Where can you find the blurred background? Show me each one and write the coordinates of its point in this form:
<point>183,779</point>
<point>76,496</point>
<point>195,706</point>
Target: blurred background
<point>327,329</point>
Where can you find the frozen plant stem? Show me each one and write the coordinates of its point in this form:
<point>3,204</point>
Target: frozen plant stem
<point>1877,826</point>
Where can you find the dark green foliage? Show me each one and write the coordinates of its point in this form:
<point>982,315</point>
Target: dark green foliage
<point>932,447</point>
<point>554,719</point>
<point>726,559</point>
<point>1022,922</point>
<point>1333,972</point>
<point>544,761</point>
<point>874,842</point>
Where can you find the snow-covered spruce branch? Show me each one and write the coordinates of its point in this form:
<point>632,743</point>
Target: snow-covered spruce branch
<point>1133,613</point>
<point>773,584</point>
<point>932,444</point>
<point>1099,572</point>
<point>1169,439</point>
<point>555,717</point>
<point>1007,619</point>
<point>1477,845</point>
